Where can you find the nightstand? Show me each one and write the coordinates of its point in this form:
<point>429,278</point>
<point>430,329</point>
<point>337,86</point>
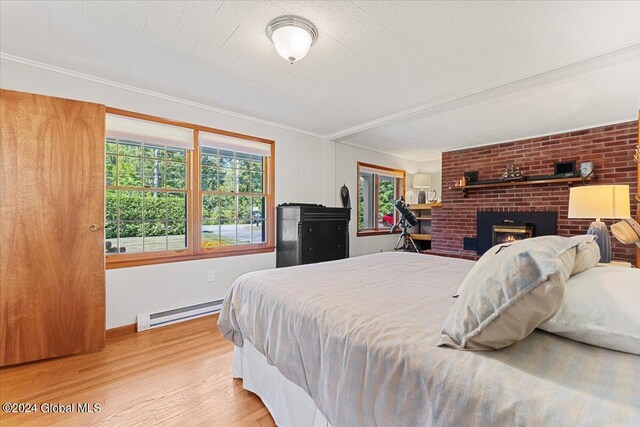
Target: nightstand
<point>623,264</point>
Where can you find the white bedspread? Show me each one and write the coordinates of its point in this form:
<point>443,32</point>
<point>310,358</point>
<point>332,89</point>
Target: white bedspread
<point>359,336</point>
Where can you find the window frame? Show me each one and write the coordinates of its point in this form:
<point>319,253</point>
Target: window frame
<point>376,231</point>
<point>194,249</point>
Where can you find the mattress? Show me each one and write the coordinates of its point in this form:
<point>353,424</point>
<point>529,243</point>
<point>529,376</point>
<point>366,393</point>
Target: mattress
<point>359,337</point>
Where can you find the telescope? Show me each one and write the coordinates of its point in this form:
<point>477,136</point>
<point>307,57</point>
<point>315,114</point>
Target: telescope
<point>407,219</point>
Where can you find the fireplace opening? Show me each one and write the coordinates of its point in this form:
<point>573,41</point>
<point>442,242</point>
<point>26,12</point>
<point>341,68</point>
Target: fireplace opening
<point>509,233</point>
<point>534,223</point>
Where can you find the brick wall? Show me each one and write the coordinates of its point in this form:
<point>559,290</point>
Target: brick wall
<point>610,148</point>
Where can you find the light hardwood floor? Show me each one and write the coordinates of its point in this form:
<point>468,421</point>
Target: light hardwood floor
<point>175,375</point>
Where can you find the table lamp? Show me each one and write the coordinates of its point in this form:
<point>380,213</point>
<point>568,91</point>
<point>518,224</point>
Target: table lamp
<point>422,181</point>
<point>600,201</point>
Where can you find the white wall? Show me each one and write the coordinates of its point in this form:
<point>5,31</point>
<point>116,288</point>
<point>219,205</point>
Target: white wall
<point>308,169</point>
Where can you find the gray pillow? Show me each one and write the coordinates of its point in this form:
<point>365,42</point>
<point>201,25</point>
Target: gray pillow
<point>507,297</point>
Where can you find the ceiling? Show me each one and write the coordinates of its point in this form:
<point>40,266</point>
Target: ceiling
<point>407,78</point>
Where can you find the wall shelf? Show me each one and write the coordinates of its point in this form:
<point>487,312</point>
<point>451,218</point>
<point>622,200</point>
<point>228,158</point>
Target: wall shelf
<point>567,181</point>
<point>421,236</point>
<point>425,206</point>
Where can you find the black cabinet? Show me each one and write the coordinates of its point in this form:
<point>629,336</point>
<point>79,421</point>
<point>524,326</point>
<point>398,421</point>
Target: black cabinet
<point>310,233</point>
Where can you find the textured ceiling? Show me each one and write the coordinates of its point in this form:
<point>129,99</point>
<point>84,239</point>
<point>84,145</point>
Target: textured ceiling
<point>409,78</point>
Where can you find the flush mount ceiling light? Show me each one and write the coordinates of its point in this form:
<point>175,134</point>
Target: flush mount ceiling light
<point>292,36</point>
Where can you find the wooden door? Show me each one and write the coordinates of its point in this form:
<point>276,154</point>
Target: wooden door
<point>52,279</point>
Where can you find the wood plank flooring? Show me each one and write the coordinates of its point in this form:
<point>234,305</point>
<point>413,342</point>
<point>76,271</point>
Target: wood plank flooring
<point>175,375</point>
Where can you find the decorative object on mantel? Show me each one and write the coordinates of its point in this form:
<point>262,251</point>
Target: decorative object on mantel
<point>565,169</point>
<point>471,176</point>
<point>586,169</point>
<point>600,201</point>
<point>512,173</point>
<point>461,183</point>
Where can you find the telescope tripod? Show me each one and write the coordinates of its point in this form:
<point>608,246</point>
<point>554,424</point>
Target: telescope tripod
<point>405,241</point>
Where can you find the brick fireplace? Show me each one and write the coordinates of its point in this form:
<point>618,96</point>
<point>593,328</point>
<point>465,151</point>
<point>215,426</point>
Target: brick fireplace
<point>610,148</point>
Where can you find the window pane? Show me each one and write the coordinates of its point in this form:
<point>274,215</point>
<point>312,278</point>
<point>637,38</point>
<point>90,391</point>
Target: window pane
<point>153,173</point>
<point>210,233</point>
<point>111,238</point>
<point>243,231</point>
<point>129,171</point>
<point>258,231</point>
<point>155,206</point>
<point>176,154</point>
<point>154,152</point>
<point>176,175</point>
<point>155,236</point>
<point>177,206</point>
<point>256,163</point>
<point>210,207</point>
<point>227,180</point>
<point>256,182</point>
<point>209,160</point>
<point>112,147</point>
<point>129,148</point>
<point>242,160</point>
<point>209,151</point>
<point>130,237</point>
<point>243,181</point>
<point>227,232</point>
<point>366,201</point>
<point>226,159</point>
<point>111,205</point>
<point>130,205</point>
<point>209,178</point>
<point>176,235</point>
<point>244,207</point>
<point>111,169</point>
<point>228,207</point>
<point>386,195</point>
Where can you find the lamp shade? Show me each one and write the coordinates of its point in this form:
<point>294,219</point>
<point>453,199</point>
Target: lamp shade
<point>599,201</point>
<point>422,180</point>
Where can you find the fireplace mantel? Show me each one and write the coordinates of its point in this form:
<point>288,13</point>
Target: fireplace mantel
<point>568,181</point>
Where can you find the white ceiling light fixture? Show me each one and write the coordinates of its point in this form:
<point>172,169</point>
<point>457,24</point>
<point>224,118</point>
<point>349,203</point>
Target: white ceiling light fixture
<point>292,36</point>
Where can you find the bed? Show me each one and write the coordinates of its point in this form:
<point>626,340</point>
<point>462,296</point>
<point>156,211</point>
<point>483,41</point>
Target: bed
<point>353,343</point>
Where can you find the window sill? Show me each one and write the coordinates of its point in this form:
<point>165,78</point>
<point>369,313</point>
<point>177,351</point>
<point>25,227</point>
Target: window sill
<point>365,233</point>
<point>124,261</point>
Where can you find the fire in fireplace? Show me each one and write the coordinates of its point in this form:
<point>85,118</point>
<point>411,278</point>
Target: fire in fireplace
<point>509,233</point>
<point>540,223</point>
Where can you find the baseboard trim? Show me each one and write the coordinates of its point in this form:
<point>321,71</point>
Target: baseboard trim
<point>121,330</point>
<point>133,328</point>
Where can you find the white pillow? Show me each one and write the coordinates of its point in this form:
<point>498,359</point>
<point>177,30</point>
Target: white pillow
<point>511,293</point>
<point>601,307</point>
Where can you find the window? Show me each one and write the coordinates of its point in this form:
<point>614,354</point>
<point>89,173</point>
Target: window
<point>176,191</point>
<point>378,187</point>
<point>234,199</point>
<point>146,198</point>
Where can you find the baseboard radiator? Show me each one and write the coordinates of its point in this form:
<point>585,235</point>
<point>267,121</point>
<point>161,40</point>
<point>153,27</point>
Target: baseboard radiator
<point>168,317</point>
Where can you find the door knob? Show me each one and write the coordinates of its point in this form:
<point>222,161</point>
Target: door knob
<point>94,227</point>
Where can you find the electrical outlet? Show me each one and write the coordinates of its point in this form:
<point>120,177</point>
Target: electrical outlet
<point>211,275</point>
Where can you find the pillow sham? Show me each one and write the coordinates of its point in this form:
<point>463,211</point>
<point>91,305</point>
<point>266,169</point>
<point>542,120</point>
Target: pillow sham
<point>601,307</point>
<point>587,256</point>
<point>510,293</point>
